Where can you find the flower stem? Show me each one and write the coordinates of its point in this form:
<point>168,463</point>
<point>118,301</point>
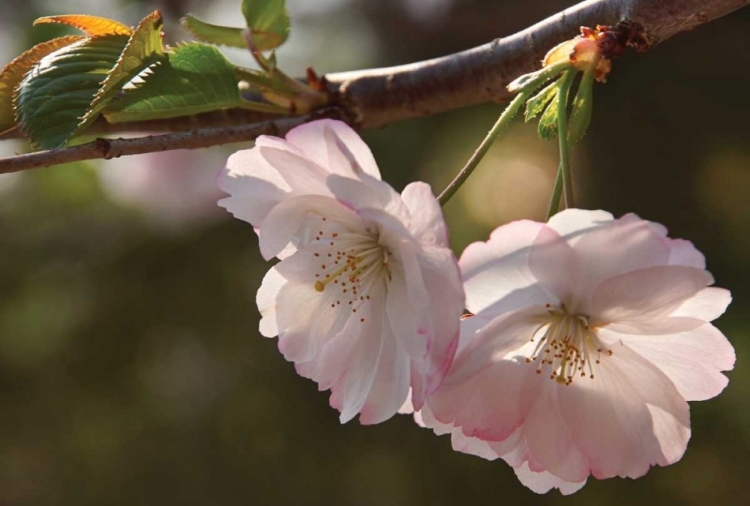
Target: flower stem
<point>554,201</point>
<point>563,94</point>
<point>504,119</point>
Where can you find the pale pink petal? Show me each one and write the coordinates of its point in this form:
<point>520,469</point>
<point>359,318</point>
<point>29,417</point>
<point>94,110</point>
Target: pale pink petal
<point>496,273</point>
<point>692,360</point>
<point>543,482</point>
<point>306,320</point>
<point>554,265</point>
<point>391,384</point>
<point>371,193</point>
<point>302,175</point>
<point>683,252</point>
<point>350,393</point>
<point>487,406</point>
<point>617,248</point>
<point>502,336</point>
<point>707,305</point>
<point>407,306</point>
<point>549,443</point>
<point>572,224</point>
<point>266,300</point>
<point>426,223</point>
<point>286,219</point>
<point>334,144</point>
<point>441,279</point>
<point>254,186</point>
<point>610,420</point>
<point>644,300</point>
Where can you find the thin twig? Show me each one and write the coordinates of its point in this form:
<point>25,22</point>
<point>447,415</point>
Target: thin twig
<point>199,138</point>
<point>376,97</point>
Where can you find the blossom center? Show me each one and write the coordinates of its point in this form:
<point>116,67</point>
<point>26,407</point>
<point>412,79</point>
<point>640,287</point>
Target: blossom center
<point>352,262</point>
<point>568,346</point>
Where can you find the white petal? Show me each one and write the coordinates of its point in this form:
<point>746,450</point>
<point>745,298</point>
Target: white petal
<point>611,421</point>
<point>285,221</point>
<point>573,223</point>
<point>554,264</point>
<point>692,360</point>
<point>427,224</point>
<point>335,145</point>
<point>706,305</point>
<point>254,185</point>
<point>496,273</point>
<point>644,299</point>
<point>266,301</point>
<point>617,248</point>
<point>391,384</point>
<point>543,482</point>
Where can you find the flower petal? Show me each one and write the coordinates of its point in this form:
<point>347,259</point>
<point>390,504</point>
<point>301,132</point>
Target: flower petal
<point>253,184</point>
<point>693,360</point>
<point>266,301</point>
<point>707,305</point>
<point>334,144</point>
<point>285,221</point>
<point>503,335</point>
<point>543,482</point>
<point>427,224</point>
<point>572,224</point>
<point>644,299</point>
<point>496,273</point>
<point>611,417</point>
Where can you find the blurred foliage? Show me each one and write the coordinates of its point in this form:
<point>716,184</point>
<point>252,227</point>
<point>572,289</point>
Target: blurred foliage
<point>131,369</point>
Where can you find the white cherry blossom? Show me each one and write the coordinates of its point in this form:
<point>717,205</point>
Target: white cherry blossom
<point>589,336</point>
<point>367,297</point>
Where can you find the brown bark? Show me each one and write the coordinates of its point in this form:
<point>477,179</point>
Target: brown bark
<point>377,97</point>
<point>374,98</point>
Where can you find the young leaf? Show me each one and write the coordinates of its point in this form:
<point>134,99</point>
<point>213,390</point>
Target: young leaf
<point>548,122</point>
<point>196,78</point>
<point>92,26</point>
<point>13,73</point>
<point>580,118</point>
<point>57,92</point>
<point>214,34</point>
<point>535,105</point>
<point>268,22</point>
<point>144,47</point>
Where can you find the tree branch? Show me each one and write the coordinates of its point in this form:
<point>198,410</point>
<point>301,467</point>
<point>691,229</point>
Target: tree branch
<point>199,138</point>
<point>374,98</point>
<point>378,97</point>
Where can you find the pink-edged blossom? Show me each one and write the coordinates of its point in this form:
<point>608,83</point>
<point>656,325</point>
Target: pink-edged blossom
<point>589,336</point>
<point>367,297</point>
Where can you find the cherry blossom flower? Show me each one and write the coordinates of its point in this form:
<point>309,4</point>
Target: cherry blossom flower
<point>367,297</point>
<point>589,336</point>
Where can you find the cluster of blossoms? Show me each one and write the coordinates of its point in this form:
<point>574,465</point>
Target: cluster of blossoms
<point>586,337</point>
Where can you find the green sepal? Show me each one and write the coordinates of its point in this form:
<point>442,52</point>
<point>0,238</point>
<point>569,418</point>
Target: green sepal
<point>580,117</point>
<point>214,34</point>
<point>536,104</point>
<point>268,22</point>
<point>548,123</point>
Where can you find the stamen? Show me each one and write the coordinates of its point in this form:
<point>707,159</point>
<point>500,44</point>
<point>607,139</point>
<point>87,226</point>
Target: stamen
<point>567,346</point>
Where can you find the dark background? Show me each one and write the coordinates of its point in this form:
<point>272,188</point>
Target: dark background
<point>131,369</point>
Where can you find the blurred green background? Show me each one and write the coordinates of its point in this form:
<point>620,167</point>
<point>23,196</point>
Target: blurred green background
<point>131,369</point>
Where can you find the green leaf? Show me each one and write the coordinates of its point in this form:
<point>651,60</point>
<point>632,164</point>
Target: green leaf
<point>214,34</point>
<point>57,92</point>
<point>196,78</point>
<point>548,123</point>
<point>536,104</point>
<point>580,118</point>
<point>268,22</point>
<point>143,49</point>
<point>13,73</point>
